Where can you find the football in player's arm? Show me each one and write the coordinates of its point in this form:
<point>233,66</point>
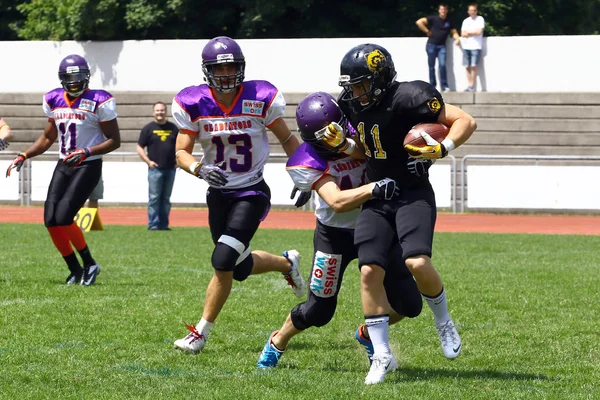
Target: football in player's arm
<point>85,123</point>
<point>384,110</point>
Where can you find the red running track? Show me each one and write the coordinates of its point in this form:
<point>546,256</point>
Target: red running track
<point>490,223</point>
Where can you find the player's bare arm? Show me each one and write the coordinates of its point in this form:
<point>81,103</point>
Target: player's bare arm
<point>183,151</point>
<point>5,131</point>
<point>288,140</point>
<point>461,124</point>
<point>44,142</point>
<point>110,129</point>
<point>342,200</point>
<point>350,199</point>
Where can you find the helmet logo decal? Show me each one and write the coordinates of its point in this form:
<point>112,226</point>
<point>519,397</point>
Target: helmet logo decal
<point>434,105</point>
<point>221,45</point>
<point>224,57</point>
<point>375,60</point>
<point>72,69</point>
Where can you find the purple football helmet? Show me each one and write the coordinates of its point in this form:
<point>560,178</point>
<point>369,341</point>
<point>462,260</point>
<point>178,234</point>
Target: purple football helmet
<point>223,50</point>
<point>74,74</point>
<point>315,112</point>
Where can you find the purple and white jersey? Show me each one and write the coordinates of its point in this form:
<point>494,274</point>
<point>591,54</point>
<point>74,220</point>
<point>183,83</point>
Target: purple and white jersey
<point>78,121</point>
<point>306,167</point>
<point>237,135</point>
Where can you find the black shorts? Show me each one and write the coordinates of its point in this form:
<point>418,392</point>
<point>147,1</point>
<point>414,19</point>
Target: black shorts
<point>237,212</point>
<point>68,191</point>
<point>334,249</point>
<point>408,220</point>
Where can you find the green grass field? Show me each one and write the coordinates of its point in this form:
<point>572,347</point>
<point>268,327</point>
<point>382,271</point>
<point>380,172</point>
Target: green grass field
<point>526,306</point>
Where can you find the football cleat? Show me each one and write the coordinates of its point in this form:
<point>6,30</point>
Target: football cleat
<point>365,342</point>
<point>89,274</point>
<point>74,279</point>
<point>293,277</point>
<point>269,356</point>
<point>449,339</point>
<point>193,343</point>
<point>382,364</point>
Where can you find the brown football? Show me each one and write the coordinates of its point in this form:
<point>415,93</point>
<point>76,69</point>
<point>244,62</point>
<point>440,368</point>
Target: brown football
<point>436,130</point>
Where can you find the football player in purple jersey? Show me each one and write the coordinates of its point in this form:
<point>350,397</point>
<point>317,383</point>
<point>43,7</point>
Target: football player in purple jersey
<point>339,181</point>
<point>84,121</point>
<point>230,117</point>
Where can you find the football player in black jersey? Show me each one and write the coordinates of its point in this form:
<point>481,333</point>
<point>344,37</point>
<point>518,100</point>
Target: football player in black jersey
<point>384,110</point>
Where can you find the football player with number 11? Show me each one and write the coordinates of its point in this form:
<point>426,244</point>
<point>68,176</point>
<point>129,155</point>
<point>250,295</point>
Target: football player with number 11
<point>85,123</point>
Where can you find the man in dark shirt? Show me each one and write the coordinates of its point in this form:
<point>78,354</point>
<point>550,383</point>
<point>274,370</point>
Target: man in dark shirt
<point>159,137</point>
<point>437,28</point>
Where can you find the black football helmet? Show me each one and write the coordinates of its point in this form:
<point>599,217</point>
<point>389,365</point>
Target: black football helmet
<point>366,62</point>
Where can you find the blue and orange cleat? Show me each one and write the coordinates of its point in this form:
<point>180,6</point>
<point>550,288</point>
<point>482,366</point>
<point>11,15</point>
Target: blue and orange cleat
<point>365,342</point>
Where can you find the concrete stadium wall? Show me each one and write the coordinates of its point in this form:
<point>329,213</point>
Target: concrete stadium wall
<point>509,64</point>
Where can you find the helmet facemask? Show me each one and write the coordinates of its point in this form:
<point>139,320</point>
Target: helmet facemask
<point>75,80</point>
<point>224,83</point>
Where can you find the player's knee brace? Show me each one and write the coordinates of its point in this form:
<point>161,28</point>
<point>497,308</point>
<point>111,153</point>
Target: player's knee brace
<point>229,253</point>
<point>317,313</point>
<point>244,265</point>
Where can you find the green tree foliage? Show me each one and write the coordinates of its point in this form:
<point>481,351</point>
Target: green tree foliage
<point>193,19</point>
<point>70,20</point>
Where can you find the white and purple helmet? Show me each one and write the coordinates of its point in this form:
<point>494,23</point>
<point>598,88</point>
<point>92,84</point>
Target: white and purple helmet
<point>315,112</point>
<point>223,50</point>
<point>74,74</point>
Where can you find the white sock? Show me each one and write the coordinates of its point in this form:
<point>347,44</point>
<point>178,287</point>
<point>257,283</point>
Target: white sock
<point>439,306</point>
<point>204,326</point>
<point>378,326</point>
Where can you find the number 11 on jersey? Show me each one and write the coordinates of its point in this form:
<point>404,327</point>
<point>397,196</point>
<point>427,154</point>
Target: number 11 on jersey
<point>379,152</point>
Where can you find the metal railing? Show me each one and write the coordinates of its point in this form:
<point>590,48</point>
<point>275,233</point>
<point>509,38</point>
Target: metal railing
<point>25,174</point>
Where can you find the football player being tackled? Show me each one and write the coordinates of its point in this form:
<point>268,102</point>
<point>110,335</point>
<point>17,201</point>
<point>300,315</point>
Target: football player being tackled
<point>85,123</point>
<point>383,111</point>
<point>339,181</point>
<point>229,117</point>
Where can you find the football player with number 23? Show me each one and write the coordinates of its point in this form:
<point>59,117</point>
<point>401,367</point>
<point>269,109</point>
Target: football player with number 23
<point>85,123</point>
<point>383,111</point>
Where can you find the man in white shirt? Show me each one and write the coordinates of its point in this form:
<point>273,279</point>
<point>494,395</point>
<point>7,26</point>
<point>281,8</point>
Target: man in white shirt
<point>471,34</point>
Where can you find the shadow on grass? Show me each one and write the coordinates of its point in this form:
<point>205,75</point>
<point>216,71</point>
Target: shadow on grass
<point>419,374</point>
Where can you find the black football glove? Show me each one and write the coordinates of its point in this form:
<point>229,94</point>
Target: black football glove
<point>17,163</point>
<point>385,189</point>
<point>3,144</point>
<point>77,157</point>
<point>302,199</point>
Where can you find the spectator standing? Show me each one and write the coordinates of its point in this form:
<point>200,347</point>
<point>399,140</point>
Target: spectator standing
<point>159,137</point>
<point>471,33</point>
<point>437,28</point>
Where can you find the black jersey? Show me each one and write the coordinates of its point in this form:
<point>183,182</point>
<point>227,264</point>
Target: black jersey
<point>383,127</point>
